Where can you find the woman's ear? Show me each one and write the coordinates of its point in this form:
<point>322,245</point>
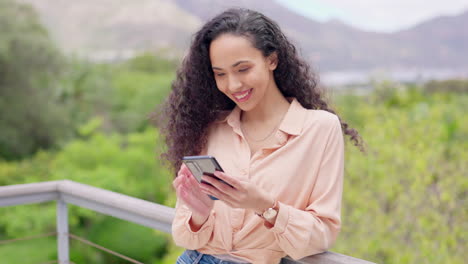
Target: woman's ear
<point>273,61</point>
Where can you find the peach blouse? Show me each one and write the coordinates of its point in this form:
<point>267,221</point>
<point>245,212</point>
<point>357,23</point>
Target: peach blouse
<point>303,171</point>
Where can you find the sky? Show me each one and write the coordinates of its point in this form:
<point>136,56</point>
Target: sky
<point>377,15</point>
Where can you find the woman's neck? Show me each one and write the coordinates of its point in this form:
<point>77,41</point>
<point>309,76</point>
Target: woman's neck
<point>270,110</point>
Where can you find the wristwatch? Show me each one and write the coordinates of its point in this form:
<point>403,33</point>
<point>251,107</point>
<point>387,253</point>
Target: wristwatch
<point>269,213</point>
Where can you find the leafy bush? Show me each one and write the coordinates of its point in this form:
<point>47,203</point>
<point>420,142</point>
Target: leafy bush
<point>31,116</point>
<point>120,163</point>
<point>403,201</point>
<point>122,97</point>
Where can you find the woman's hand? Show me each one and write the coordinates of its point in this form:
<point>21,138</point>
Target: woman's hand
<point>189,192</point>
<point>243,194</point>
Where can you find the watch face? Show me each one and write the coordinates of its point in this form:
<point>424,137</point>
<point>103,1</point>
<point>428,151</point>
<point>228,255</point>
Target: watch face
<point>270,213</point>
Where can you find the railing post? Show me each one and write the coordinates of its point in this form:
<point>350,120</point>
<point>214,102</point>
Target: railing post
<point>62,232</point>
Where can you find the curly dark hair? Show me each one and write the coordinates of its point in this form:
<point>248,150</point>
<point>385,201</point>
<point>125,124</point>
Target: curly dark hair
<point>195,102</point>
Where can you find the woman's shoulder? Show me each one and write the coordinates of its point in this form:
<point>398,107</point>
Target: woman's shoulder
<point>320,119</point>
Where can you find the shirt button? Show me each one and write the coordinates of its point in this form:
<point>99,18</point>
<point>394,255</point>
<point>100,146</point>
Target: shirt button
<point>282,139</point>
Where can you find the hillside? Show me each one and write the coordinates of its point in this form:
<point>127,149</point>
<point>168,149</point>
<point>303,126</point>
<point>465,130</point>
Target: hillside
<point>99,26</point>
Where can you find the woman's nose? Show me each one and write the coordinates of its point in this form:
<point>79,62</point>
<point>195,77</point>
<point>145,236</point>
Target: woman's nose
<point>234,84</point>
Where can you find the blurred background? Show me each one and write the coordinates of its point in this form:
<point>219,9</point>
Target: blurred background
<point>79,79</point>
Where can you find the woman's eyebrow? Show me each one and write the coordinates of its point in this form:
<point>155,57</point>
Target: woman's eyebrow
<point>234,65</point>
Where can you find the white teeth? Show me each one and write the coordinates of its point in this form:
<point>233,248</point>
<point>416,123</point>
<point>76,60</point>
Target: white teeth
<point>243,95</point>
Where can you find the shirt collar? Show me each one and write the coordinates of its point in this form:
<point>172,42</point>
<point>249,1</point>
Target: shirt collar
<point>292,122</point>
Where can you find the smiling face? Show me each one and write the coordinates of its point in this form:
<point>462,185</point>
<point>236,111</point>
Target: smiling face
<point>241,71</point>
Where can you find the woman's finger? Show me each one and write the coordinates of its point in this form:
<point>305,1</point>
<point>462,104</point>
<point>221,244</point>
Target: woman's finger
<point>195,185</point>
<point>176,182</point>
<point>193,202</point>
<point>220,185</point>
<point>184,169</point>
<point>181,193</point>
<point>192,190</point>
<point>235,183</point>
<point>193,181</point>
<point>216,193</point>
<point>192,185</point>
<point>185,194</point>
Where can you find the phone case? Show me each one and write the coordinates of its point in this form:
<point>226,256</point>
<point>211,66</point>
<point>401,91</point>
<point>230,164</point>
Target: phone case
<point>199,165</point>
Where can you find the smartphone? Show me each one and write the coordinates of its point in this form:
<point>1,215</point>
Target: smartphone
<point>200,165</point>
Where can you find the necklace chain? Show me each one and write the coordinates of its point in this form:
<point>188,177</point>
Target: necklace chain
<point>259,140</point>
<point>265,138</point>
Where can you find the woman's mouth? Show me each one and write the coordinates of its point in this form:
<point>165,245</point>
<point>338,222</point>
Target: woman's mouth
<point>243,96</point>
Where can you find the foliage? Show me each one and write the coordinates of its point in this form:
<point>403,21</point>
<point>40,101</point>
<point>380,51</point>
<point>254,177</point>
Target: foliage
<point>455,86</point>
<point>134,98</point>
<point>151,63</point>
<point>403,200</point>
<point>40,250</point>
<point>121,95</point>
<point>129,239</point>
<point>29,63</point>
<point>120,163</point>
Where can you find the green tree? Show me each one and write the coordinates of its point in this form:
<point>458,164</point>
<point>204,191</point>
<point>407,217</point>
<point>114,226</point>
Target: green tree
<point>30,115</point>
<point>121,163</point>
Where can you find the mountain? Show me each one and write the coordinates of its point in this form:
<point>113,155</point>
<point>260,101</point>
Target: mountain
<point>440,41</point>
<point>90,26</point>
<point>98,26</point>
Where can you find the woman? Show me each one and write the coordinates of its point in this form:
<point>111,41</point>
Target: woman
<point>243,96</point>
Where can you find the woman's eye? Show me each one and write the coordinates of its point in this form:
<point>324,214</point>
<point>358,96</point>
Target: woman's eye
<point>244,69</point>
<point>219,74</point>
